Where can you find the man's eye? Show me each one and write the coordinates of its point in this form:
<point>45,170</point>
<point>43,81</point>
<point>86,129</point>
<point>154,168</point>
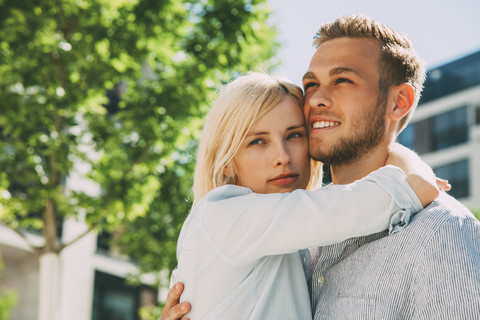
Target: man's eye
<point>308,85</point>
<point>343,80</point>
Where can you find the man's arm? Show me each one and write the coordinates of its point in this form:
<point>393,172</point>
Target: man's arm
<point>174,310</point>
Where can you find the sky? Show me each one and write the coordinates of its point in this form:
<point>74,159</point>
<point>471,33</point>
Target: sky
<point>441,30</point>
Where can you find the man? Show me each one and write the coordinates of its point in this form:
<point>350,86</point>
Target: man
<point>361,88</point>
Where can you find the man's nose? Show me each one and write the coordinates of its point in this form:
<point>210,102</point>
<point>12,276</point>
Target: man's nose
<point>320,97</point>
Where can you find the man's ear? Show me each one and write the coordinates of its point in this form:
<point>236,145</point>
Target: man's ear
<point>403,97</point>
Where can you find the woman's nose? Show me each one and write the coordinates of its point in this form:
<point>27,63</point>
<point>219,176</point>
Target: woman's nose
<point>282,155</point>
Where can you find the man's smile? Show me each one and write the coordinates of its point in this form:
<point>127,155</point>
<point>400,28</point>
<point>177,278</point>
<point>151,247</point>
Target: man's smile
<point>324,124</point>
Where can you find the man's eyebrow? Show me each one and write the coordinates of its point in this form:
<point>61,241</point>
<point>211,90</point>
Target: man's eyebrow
<point>340,70</point>
<point>333,72</point>
<point>309,76</point>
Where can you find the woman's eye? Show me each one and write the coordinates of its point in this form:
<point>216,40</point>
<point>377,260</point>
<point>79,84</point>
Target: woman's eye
<point>294,135</point>
<point>256,142</point>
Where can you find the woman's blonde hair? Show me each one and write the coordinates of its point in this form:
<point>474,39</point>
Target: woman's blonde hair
<point>236,110</point>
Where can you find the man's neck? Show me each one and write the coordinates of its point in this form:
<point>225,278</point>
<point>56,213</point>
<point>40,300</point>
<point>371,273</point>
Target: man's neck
<point>361,167</point>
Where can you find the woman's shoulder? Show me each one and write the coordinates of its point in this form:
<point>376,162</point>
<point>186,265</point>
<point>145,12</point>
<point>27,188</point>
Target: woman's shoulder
<point>226,192</point>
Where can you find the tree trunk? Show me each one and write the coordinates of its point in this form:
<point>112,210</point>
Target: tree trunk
<point>49,288</point>
<point>49,293</point>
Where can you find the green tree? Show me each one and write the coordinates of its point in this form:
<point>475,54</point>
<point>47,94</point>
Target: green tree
<point>117,89</point>
<point>8,298</point>
<point>476,213</point>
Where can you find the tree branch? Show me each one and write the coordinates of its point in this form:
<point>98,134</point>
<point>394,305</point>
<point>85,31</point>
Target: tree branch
<point>144,153</point>
<point>80,236</point>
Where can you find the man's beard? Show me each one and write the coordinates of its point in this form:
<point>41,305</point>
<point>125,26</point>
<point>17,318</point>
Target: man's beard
<point>366,135</point>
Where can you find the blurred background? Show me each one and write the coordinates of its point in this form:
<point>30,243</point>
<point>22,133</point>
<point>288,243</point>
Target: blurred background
<point>101,105</point>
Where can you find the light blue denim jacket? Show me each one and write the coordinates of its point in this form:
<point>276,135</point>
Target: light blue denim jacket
<point>238,251</point>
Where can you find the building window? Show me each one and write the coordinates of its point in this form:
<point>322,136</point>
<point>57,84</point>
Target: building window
<point>477,114</point>
<point>115,300</point>
<point>327,175</point>
<point>407,136</point>
<point>104,241</point>
<point>457,174</point>
<point>450,128</point>
<point>417,136</point>
<point>439,132</point>
<point>451,78</point>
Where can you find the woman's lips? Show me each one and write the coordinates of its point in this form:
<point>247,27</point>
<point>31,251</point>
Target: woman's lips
<point>284,179</point>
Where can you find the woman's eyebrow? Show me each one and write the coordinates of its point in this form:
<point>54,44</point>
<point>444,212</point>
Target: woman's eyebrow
<point>259,133</point>
<point>256,133</point>
<point>297,126</point>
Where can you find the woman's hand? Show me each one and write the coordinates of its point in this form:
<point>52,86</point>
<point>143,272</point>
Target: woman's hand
<point>173,309</point>
<point>443,184</point>
<point>418,174</point>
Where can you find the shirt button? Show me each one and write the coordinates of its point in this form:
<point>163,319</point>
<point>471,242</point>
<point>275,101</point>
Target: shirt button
<point>320,280</point>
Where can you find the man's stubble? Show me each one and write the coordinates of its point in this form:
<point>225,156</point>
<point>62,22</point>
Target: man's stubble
<point>367,134</point>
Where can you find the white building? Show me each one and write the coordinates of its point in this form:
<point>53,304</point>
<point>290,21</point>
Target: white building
<point>445,129</point>
<point>92,282</point>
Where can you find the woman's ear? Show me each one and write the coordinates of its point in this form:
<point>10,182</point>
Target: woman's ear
<point>228,171</point>
<point>404,95</point>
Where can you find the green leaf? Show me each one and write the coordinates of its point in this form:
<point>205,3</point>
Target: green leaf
<point>102,103</point>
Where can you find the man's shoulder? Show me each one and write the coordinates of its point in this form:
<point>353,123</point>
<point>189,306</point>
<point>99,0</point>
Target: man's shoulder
<point>445,215</point>
<point>447,208</point>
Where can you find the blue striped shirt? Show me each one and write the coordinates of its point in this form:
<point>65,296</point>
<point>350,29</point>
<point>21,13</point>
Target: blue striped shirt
<point>428,270</point>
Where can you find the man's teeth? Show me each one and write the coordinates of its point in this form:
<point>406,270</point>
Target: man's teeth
<point>323,124</point>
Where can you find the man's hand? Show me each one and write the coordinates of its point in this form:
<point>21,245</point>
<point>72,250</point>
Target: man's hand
<point>174,310</point>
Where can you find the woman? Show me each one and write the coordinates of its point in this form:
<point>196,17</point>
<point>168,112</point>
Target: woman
<point>250,215</point>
